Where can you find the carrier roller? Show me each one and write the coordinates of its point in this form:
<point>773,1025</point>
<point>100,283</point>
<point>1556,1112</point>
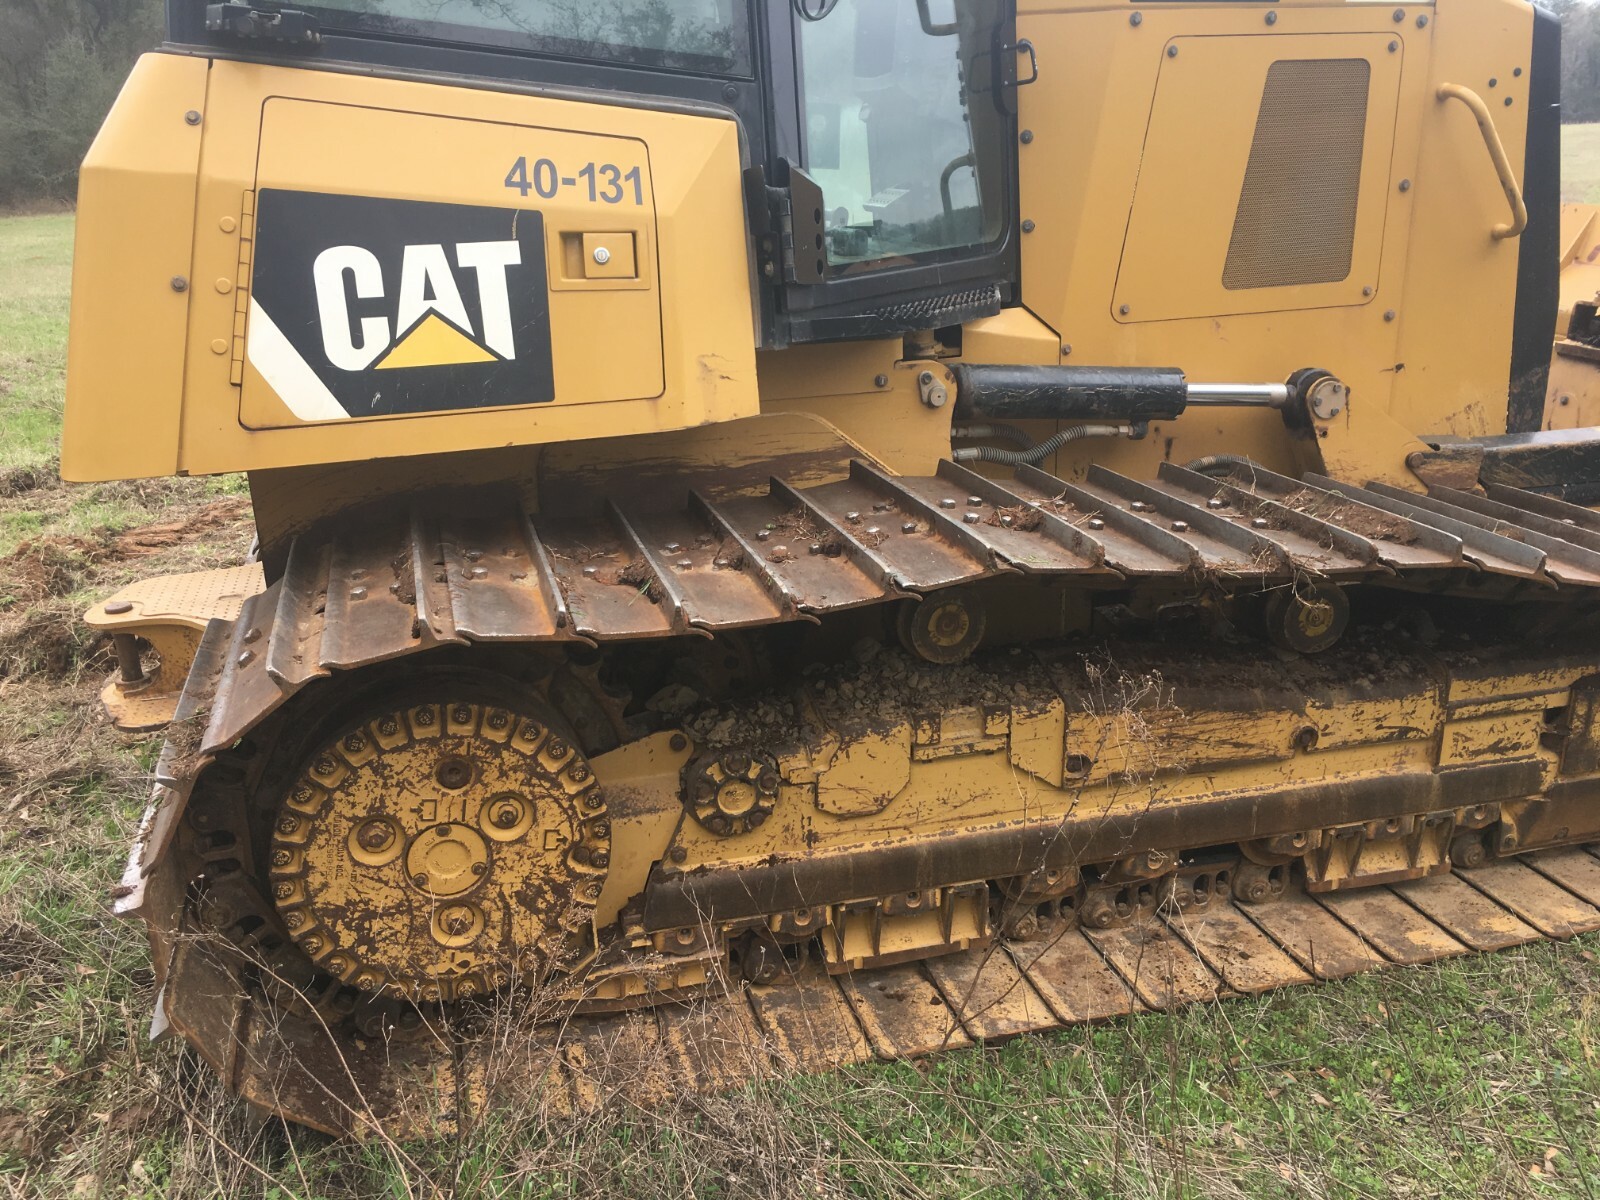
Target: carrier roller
<point>459,767</point>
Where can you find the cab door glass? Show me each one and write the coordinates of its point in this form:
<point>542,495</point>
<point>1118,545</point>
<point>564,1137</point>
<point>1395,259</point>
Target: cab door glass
<point>899,114</point>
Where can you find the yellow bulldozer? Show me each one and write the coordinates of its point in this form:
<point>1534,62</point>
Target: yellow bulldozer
<point>792,531</point>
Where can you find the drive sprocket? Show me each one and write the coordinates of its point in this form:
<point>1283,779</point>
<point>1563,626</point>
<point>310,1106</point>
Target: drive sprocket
<point>436,851</point>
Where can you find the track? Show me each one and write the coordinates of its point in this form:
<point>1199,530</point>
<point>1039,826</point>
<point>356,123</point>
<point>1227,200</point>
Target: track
<point>813,1022</point>
<point>819,1023</point>
<point>437,574</point>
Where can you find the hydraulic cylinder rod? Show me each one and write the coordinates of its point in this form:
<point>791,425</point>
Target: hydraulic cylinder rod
<point>1005,392</point>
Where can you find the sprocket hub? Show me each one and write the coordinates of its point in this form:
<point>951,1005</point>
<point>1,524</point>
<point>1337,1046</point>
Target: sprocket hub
<point>438,851</point>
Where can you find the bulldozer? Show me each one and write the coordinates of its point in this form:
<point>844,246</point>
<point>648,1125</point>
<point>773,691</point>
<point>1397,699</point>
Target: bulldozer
<point>797,531</point>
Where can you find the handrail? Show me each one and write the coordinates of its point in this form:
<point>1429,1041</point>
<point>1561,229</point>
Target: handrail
<point>1497,155</point>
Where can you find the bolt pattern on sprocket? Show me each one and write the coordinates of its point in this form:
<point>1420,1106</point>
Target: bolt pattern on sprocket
<point>437,852</point>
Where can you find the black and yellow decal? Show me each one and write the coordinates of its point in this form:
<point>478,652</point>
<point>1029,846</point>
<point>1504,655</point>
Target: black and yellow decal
<point>365,307</point>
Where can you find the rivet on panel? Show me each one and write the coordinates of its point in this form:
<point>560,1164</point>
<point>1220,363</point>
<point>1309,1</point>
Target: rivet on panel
<point>1125,309</point>
<point>224,286</point>
<point>1025,137</point>
<point>1172,52</point>
<point>1393,46</point>
<point>1136,19</point>
<point>880,381</point>
<point>1422,21</point>
<point>1405,185</point>
<point>1367,291</point>
<point>191,117</point>
<point>1399,15</point>
<point>1389,315</point>
<point>1272,18</point>
<point>227,224</point>
<point>219,346</point>
<point>1028,226</point>
<point>180,284</point>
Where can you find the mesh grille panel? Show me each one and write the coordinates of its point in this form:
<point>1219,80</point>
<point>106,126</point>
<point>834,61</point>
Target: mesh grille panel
<point>1297,211</point>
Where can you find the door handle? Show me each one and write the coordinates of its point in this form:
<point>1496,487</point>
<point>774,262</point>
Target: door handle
<point>1497,155</point>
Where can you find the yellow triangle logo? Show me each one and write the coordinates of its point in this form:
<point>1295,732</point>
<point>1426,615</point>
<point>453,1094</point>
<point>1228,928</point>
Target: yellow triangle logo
<point>433,342</point>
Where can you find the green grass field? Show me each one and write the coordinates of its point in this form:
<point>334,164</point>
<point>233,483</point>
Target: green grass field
<point>1580,163</point>
<point>1476,1077</point>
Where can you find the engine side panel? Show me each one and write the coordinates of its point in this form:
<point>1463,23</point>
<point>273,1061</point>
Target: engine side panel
<point>330,267</point>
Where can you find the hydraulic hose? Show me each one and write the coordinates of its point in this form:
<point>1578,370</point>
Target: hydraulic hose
<point>1218,464</point>
<point>1006,433</point>
<point>1036,454</point>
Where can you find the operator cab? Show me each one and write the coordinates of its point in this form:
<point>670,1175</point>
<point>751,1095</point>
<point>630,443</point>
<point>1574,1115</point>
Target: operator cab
<point>879,137</point>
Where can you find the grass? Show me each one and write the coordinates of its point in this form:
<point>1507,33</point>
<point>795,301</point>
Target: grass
<point>1475,1077</point>
<point>37,257</point>
<point>1580,163</point>
<point>35,286</point>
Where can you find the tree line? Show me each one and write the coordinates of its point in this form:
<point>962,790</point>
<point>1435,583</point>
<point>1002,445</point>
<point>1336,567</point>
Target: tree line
<point>62,61</point>
<point>1580,58</point>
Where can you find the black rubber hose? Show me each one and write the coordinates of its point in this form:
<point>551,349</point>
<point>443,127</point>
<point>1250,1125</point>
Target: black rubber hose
<point>1036,454</point>
<point>1006,433</point>
<point>1219,464</point>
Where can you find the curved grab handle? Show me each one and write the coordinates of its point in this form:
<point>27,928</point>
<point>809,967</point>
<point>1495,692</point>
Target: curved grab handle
<point>1497,155</point>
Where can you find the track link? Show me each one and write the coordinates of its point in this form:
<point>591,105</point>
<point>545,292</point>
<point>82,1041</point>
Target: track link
<point>436,576</point>
<point>812,1022</point>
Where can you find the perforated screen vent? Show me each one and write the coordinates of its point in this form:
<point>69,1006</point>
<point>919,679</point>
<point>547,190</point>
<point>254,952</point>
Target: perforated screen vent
<point>1296,219</point>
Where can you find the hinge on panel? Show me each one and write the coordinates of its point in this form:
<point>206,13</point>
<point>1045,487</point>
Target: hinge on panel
<point>787,225</point>
<point>241,284</point>
<point>244,20</point>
